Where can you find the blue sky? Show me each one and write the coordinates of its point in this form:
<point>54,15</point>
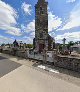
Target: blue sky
<point>17,20</point>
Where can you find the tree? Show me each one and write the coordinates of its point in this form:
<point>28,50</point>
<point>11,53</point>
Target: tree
<point>60,47</point>
<point>71,43</point>
<point>29,46</point>
<point>3,44</point>
<point>78,42</point>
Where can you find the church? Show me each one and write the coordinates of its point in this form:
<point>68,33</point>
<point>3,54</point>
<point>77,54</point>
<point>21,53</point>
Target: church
<point>42,38</point>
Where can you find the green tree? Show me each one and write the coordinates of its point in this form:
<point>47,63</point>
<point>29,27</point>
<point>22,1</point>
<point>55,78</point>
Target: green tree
<point>29,45</point>
<point>60,47</point>
<point>71,43</point>
<point>3,44</point>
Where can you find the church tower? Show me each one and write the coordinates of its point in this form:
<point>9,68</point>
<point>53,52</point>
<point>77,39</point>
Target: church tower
<point>41,25</point>
<point>41,40</point>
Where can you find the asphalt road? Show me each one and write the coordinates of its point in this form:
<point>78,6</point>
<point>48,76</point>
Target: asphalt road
<point>7,66</point>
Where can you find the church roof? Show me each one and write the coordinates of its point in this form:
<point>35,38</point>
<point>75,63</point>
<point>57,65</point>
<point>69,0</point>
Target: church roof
<point>50,37</point>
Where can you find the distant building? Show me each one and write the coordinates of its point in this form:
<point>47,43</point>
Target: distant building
<point>42,38</point>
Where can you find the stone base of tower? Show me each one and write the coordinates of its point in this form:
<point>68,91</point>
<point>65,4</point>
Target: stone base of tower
<point>39,45</point>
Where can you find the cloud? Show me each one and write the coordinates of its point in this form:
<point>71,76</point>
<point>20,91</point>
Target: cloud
<point>23,27</point>
<point>27,8</point>
<point>70,1</point>
<point>14,31</point>
<point>26,39</point>
<point>29,40</point>
<point>74,20</point>
<point>5,40</point>
<point>8,17</point>
<point>30,27</point>
<point>32,34</point>
<point>54,22</point>
<point>73,36</point>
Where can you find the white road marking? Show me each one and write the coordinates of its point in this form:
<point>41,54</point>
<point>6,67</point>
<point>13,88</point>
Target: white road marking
<point>49,69</point>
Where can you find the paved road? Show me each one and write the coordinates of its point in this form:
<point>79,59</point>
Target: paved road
<point>24,78</point>
<point>7,66</point>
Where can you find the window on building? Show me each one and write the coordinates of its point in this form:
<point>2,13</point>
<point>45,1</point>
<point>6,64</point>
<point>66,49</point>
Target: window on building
<point>41,10</point>
<point>41,35</point>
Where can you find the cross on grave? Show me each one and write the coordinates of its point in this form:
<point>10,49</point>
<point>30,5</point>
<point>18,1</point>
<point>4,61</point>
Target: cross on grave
<point>64,40</point>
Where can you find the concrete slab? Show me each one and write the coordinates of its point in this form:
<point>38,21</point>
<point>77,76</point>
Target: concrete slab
<point>26,79</point>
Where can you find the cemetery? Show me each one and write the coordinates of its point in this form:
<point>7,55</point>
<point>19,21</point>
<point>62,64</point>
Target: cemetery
<point>38,52</point>
<point>44,46</point>
<point>69,61</point>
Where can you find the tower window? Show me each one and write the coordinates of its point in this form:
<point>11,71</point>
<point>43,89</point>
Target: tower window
<point>41,35</point>
<point>41,10</point>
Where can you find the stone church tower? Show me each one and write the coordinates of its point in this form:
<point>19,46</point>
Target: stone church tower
<point>42,38</point>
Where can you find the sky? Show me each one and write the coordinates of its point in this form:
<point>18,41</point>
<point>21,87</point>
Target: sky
<point>17,20</point>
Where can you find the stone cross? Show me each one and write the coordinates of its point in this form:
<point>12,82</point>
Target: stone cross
<point>44,55</point>
<point>64,40</point>
<point>64,47</point>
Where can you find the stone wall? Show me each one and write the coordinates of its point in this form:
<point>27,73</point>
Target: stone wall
<point>19,53</point>
<point>68,62</point>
